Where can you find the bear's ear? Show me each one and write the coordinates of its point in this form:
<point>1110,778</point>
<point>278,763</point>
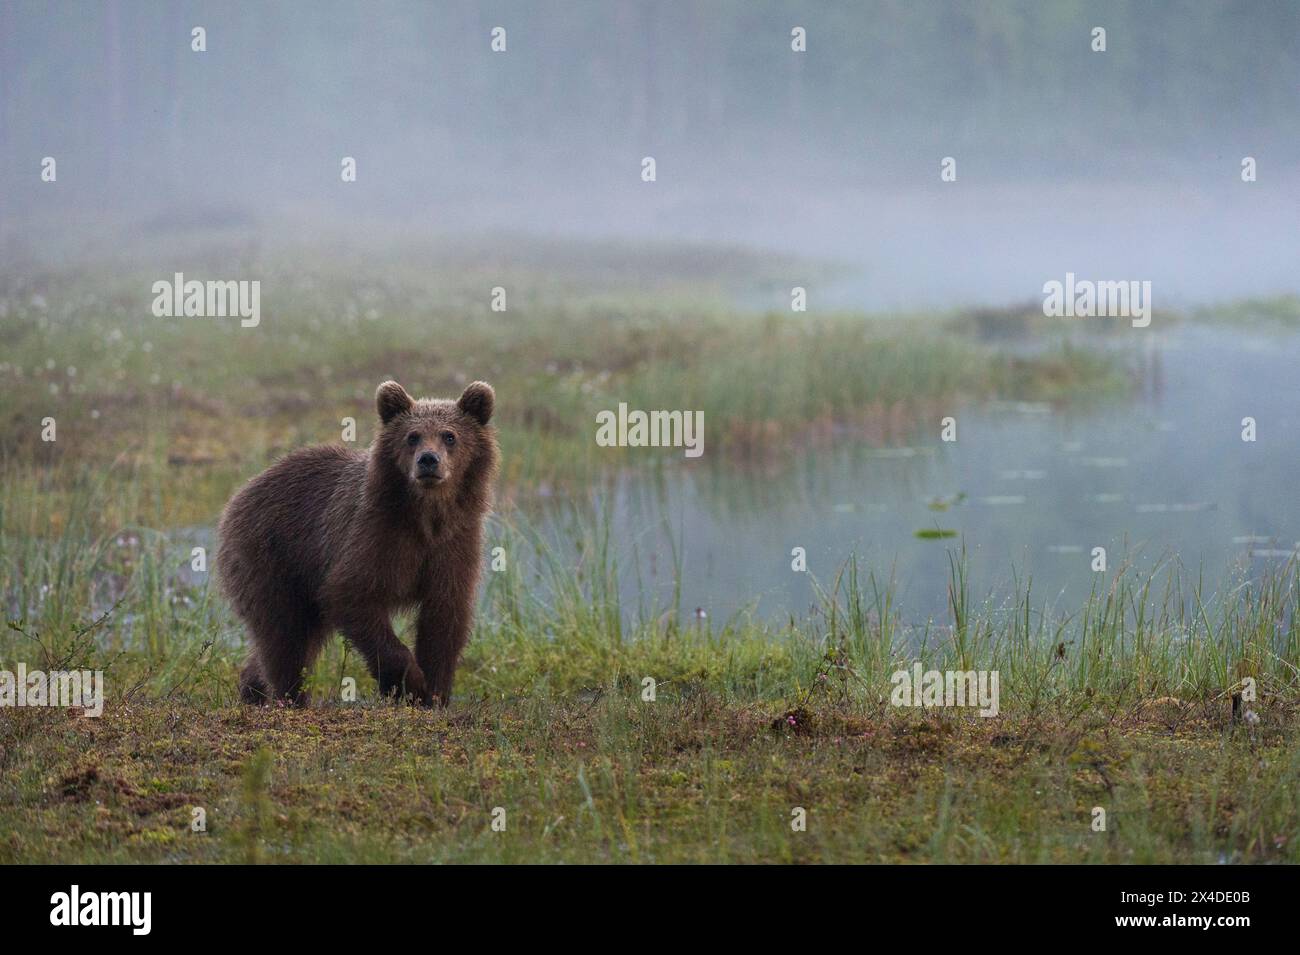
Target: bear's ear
<point>391,399</point>
<point>477,400</point>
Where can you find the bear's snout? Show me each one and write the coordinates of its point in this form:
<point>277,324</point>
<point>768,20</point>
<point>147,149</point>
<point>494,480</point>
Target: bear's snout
<point>427,465</point>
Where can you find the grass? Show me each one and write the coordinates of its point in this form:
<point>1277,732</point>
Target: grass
<point>1125,704</point>
<point>1277,312</point>
<point>693,777</point>
<point>184,409</point>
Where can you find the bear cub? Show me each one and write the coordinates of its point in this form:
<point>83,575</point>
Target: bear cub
<point>333,539</point>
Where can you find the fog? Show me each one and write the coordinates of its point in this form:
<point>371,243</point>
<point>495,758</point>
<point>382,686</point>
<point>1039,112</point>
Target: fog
<point>1122,164</point>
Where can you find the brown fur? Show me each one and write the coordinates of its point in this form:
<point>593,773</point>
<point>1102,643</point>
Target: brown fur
<point>329,538</point>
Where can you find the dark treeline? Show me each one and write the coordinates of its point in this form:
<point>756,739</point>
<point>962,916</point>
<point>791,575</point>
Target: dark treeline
<point>136,119</point>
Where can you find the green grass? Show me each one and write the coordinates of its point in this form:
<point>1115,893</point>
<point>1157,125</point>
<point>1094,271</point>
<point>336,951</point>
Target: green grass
<point>1126,703</point>
<point>183,409</point>
<point>693,777</point>
<point>1277,312</point>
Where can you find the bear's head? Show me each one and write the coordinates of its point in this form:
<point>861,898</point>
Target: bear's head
<point>438,446</point>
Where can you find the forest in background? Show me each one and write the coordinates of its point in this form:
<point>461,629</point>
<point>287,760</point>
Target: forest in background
<point>586,88</point>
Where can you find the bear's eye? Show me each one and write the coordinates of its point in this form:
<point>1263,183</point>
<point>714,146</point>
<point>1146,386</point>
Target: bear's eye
<point>413,438</point>
<point>449,439</point>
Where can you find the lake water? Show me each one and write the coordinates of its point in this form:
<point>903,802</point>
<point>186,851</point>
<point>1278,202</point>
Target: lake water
<point>1162,473</point>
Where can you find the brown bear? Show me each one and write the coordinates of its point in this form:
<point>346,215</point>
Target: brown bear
<point>329,538</point>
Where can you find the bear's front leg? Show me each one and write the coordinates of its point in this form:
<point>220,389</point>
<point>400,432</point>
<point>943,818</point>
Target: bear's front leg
<point>390,662</point>
<point>442,631</point>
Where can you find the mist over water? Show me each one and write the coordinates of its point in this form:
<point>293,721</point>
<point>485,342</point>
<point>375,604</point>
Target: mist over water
<point>1123,164</point>
<point>1164,483</point>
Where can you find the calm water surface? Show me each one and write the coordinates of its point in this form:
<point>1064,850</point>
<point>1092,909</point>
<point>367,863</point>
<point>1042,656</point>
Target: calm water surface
<point>1163,473</point>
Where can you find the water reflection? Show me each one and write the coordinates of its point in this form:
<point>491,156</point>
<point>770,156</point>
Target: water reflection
<point>1031,492</point>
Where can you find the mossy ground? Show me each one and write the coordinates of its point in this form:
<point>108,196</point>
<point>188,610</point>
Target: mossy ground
<point>690,777</point>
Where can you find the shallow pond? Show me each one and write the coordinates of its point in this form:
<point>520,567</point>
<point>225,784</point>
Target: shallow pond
<point>1029,491</point>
